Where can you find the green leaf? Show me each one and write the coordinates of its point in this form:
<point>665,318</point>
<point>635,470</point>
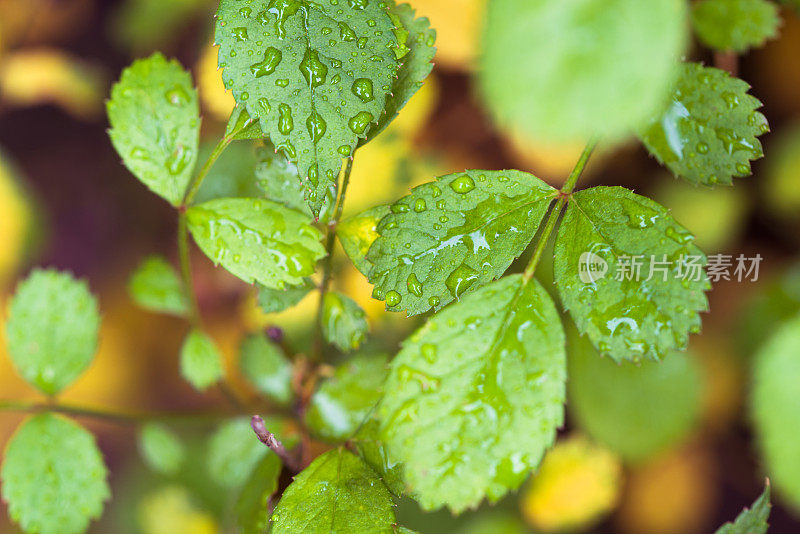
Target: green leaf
<point>155,286</point>
<point>344,400</point>
<point>709,133</point>
<point>316,76</point>
<point>338,492</point>
<point>637,411</point>
<point>372,450</point>
<point>265,366</point>
<point>454,235</point>
<point>252,505</point>
<point>201,362</point>
<point>775,409</point>
<point>155,125</point>
<point>357,233</point>
<point>141,26</point>
<point>231,175</point>
<point>257,240</point>
<point>625,315</point>
<point>415,66</point>
<point>242,127</point>
<point>568,70</point>
<point>752,520</point>
<point>52,329</point>
<point>277,300</point>
<point>475,396</point>
<point>344,323</point>
<point>735,25</point>
<point>161,449</point>
<point>53,475</point>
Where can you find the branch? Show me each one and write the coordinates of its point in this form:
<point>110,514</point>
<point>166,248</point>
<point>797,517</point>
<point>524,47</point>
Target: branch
<point>268,438</point>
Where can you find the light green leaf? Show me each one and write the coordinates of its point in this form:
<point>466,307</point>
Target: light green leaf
<point>735,25</point>
<point>257,240</point>
<point>357,233</point>
<point>52,329</point>
<point>570,69</point>
<point>372,450</point>
<point>53,475</point>
<point>629,315</point>
<point>752,520</point>
<point>277,300</point>
<point>475,396</point>
<point>155,125</point>
<point>161,449</point>
<point>338,492</point>
<point>709,134</point>
<point>315,76</point>
<point>252,505</point>
<point>242,127</point>
<point>344,323</point>
<point>265,366</point>
<point>344,400</point>
<point>776,409</point>
<point>231,175</point>
<point>637,411</point>
<point>201,362</point>
<point>155,286</point>
<point>454,235</point>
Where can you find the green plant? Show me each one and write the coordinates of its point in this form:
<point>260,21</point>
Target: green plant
<point>467,408</point>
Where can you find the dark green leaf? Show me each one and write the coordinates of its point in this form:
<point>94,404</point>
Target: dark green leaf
<point>201,362</point>
<point>155,286</point>
<point>454,235</point>
<point>752,520</point>
<point>735,25</point>
<point>252,512</point>
<point>475,397</point>
<point>357,233</point>
<point>629,315</point>
<point>372,450</point>
<point>344,323</point>
<point>142,26</point>
<point>277,300</point>
<point>161,449</point>
<point>265,366</point>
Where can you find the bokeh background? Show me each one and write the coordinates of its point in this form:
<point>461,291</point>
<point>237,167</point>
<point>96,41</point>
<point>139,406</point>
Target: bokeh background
<point>66,201</point>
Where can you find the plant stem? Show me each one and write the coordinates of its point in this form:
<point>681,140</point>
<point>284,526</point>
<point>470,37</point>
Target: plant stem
<point>197,181</point>
<point>186,269</point>
<point>268,438</point>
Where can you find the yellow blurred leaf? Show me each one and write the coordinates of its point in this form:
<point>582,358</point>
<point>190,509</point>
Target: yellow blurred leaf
<point>215,99</point>
<point>16,223</point>
<point>458,25</point>
<point>170,510</point>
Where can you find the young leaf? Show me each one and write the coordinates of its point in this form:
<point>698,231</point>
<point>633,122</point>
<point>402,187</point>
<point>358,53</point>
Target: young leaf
<point>315,76</point>
<point>265,366</point>
<point>155,125</point>
<point>735,25</point>
<point>257,240</point>
<point>54,478</point>
<point>343,401</point>
<point>454,235</point>
<point>776,408</point>
<point>252,505</point>
<point>338,492</point>
<point>709,134</point>
<point>52,329</point>
<point>161,449</point>
<point>344,323</point>
<point>372,450</point>
<point>155,286</point>
<point>357,233</point>
<point>475,397</point>
<point>201,362</point>
<point>642,298</point>
<point>570,69</point>
<point>242,127</point>
<point>751,520</point>
<point>277,300</point>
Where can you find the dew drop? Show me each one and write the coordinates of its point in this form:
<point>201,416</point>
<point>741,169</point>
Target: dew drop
<point>177,96</point>
<point>414,285</point>
<point>393,298</point>
<point>420,205</point>
<point>272,58</point>
<point>463,184</point>
<point>358,124</point>
<point>316,126</point>
<point>460,280</point>
<point>285,121</point>
<point>363,89</point>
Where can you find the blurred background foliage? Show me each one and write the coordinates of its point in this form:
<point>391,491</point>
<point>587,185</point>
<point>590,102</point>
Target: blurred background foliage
<point>660,448</point>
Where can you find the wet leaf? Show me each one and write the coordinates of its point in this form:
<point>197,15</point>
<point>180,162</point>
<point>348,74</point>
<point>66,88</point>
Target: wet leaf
<point>609,244</point>
<point>357,233</point>
<point>370,447</point>
<point>314,75</point>
<point>709,133</point>
<point>251,509</point>
<point>277,300</point>
<point>155,125</point>
<point>344,323</point>
<point>266,367</point>
<point>201,362</point>
<point>751,520</point>
<point>52,329</point>
<point>161,449</point>
<point>155,286</point>
<point>735,25</point>
<point>475,397</point>
<point>257,240</point>
<point>338,490</point>
<point>54,478</point>
<point>454,235</point>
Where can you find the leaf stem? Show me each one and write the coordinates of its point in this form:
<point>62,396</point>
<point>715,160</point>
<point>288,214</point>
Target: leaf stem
<point>186,269</point>
<point>197,181</point>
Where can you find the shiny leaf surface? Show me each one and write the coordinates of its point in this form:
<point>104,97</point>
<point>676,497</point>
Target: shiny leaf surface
<point>357,233</point>
<point>344,323</point>
<point>372,450</point>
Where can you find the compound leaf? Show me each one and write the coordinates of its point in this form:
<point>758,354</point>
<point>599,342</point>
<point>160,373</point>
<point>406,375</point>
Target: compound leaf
<point>454,235</point>
<point>54,478</point>
<point>155,125</point>
<point>277,300</point>
<point>315,76</point>
<point>709,133</point>
<point>265,366</point>
<point>52,329</point>
<point>344,323</point>
<point>474,397</point>
<point>357,233</point>
<point>344,400</point>
<point>735,25</point>
<point>751,520</point>
<point>630,276</point>
<point>257,240</point>
<point>252,505</point>
<point>338,492</point>
<point>201,362</point>
<point>161,449</point>
<point>155,286</point>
